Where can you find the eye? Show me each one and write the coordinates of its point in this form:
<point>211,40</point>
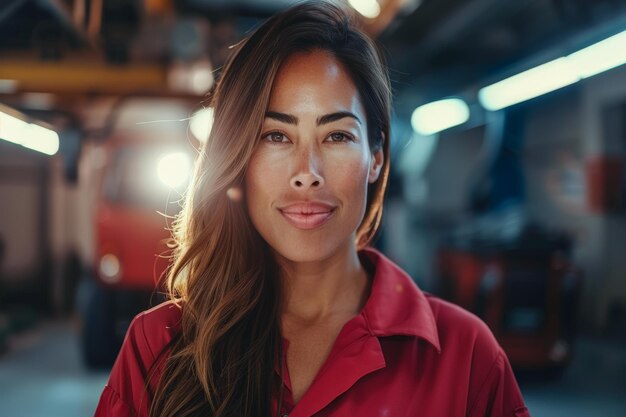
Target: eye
<point>339,137</point>
<point>274,137</point>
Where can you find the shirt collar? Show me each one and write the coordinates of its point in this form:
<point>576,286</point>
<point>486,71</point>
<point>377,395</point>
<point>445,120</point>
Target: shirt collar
<point>396,306</point>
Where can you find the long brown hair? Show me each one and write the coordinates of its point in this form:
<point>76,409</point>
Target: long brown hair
<point>224,276</point>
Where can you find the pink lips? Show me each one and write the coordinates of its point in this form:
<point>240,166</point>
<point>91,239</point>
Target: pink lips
<point>307,215</point>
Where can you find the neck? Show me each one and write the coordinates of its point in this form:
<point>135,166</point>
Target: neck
<point>314,292</point>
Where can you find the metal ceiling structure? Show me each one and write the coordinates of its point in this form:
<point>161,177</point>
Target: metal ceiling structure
<point>447,46</point>
<point>76,50</point>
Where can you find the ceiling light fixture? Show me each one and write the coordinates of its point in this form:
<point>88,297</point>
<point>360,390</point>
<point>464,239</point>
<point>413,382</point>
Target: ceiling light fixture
<point>367,8</point>
<point>29,135</point>
<point>558,73</point>
<point>439,115</point>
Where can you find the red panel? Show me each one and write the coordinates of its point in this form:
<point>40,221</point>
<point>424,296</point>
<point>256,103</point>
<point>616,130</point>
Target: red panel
<point>605,183</point>
<point>137,237</point>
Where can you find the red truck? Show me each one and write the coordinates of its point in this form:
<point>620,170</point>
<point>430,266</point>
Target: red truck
<point>141,187</point>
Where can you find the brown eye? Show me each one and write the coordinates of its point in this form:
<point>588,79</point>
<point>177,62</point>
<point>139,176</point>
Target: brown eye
<point>339,137</point>
<point>274,137</point>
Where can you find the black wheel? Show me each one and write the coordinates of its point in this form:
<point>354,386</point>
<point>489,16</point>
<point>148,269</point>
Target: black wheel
<point>4,332</point>
<point>99,340</point>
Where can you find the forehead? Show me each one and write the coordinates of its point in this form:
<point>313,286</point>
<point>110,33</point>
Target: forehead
<point>315,82</point>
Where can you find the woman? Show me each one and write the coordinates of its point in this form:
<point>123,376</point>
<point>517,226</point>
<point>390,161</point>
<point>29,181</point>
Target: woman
<point>278,306</point>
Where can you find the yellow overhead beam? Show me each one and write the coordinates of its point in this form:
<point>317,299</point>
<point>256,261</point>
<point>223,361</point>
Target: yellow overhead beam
<point>84,77</point>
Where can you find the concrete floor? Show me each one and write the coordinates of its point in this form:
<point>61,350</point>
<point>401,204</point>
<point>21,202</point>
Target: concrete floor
<point>41,376</point>
<point>594,385</point>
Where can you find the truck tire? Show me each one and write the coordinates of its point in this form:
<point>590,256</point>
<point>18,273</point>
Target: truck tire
<point>99,342</point>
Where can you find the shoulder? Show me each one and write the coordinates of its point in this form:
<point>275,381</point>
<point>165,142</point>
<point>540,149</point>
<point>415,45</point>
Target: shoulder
<point>450,315</point>
<point>458,327</point>
<point>138,362</point>
<point>471,349</point>
<point>157,326</point>
<point>398,306</point>
<point>466,351</point>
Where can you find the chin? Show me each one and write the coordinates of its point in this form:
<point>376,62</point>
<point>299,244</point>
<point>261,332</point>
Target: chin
<point>303,251</point>
<point>304,254</point>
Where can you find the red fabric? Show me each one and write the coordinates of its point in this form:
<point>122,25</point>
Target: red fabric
<point>407,353</point>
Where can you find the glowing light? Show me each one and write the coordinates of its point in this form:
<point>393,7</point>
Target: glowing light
<point>173,169</point>
<point>8,86</point>
<point>201,78</point>
<point>528,84</point>
<point>439,115</point>
<point>367,8</point>
<point>29,135</point>
<point>561,72</point>
<point>201,123</point>
<point>600,57</point>
<point>110,268</point>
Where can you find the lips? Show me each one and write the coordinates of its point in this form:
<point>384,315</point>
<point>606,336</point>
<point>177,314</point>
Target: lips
<point>307,215</point>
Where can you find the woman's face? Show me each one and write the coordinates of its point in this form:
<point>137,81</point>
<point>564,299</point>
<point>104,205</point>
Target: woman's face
<point>306,184</point>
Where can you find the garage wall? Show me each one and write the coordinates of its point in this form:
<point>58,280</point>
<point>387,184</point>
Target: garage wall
<point>23,220</point>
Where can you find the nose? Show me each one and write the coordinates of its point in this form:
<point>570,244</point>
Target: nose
<point>307,172</point>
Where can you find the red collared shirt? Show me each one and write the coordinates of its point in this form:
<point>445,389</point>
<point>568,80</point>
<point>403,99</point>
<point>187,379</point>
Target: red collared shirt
<point>407,353</point>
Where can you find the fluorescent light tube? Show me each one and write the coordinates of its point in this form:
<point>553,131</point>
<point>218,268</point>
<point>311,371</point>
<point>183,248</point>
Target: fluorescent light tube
<point>561,72</point>
<point>600,57</point>
<point>528,84</point>
<point>29,135</point>
<point>439,115</point>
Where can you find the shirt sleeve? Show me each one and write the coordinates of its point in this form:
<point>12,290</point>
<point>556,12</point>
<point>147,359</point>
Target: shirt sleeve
<point>112,405</point>
<point>125,394</point>
<point>499,396</point>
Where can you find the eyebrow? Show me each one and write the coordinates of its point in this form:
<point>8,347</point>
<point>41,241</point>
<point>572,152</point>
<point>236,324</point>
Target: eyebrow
<point>322,120</point>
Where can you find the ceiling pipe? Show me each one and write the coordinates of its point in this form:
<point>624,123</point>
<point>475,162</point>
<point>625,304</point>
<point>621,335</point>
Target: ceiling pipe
<point>68,20</point>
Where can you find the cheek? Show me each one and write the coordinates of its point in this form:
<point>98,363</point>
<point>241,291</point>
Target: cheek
<point>351,178</point>
<point>254,183</point>
<point>262,180</point>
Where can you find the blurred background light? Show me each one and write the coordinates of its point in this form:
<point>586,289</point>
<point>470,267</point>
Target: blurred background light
<point>561,72</point>
<point>29,135</point>
<point>8,86</point>
<point>173,169</point>
<point>367,8</point>
<point>528,84</point>
<point>201,80</point>
<point>201,75</point>
<point>201,123</point>
<point>439,115</point>
<point>110,268</point>
<point>601,56</point>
